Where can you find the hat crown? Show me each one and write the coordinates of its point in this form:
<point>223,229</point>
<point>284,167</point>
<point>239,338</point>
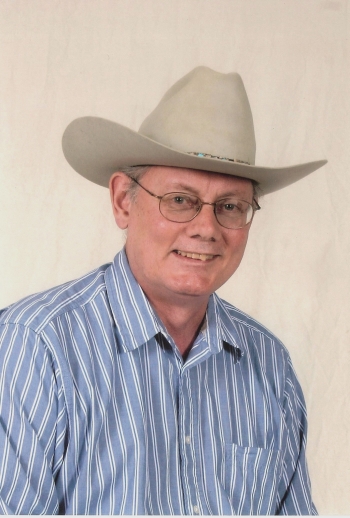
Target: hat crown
<point>205,112</point>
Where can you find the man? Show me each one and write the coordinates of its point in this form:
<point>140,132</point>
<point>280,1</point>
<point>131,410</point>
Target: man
<point>136,389</point>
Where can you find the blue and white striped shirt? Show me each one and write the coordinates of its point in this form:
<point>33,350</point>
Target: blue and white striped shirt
<point>99,414</point>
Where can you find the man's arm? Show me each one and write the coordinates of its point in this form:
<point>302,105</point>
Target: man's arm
<point>32,420</point>
<point>295,488</point>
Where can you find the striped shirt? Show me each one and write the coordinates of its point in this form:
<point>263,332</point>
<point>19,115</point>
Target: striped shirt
<point>99,414</point>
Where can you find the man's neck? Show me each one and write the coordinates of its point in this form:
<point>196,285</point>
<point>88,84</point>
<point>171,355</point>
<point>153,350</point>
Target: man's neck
<point>182,321</point>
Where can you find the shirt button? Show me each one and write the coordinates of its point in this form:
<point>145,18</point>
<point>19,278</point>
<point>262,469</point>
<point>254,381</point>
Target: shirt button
<point>196,509</point>
<point>188,439</point>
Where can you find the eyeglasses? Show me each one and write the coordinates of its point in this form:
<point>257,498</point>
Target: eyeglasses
<point>181,207</point>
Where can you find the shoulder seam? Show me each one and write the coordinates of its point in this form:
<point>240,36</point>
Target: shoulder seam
<point>40,328</point>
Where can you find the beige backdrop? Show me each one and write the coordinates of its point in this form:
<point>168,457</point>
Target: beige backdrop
<point>61,59</point>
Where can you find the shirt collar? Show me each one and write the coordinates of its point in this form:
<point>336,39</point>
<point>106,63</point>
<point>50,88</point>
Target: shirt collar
<point>136,321</point>
<point>229,330</point>
<point>133,315</point>
<point>219,331</point>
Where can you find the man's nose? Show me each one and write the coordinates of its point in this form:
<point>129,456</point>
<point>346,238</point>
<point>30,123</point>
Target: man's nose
<point>205,223</point>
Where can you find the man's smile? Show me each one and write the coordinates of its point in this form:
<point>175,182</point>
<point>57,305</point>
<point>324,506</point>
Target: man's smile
<point>194,255</point>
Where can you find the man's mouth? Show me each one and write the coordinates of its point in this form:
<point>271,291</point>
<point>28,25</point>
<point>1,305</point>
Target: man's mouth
<point>193,255</point>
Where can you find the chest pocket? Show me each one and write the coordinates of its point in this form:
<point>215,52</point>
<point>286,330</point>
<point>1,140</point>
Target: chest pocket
<point>251,478</point>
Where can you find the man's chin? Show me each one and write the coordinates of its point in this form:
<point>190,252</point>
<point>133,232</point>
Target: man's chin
<point>194,290</point>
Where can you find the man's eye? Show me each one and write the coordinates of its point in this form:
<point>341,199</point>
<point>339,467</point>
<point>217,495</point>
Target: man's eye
<point>230,207</point>
<point>180,200</point>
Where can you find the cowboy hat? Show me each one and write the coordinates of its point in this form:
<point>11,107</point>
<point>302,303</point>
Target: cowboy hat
<point>204,122</point>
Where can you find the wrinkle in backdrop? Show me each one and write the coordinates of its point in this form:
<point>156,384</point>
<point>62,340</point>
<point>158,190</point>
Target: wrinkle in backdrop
<point>115,58</point>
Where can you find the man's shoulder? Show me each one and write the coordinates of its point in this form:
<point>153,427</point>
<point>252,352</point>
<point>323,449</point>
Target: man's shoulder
<point>261,348</point>
<point>37,310</point>
<point>244,322</point>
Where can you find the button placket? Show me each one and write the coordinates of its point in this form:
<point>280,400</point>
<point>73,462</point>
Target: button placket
<point>187,452</point>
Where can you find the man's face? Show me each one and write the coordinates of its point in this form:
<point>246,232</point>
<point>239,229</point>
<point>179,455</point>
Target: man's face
<point>153,243</point>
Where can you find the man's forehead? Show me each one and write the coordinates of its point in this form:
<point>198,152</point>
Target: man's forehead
<point>179,176</point>
<point>179,172</point>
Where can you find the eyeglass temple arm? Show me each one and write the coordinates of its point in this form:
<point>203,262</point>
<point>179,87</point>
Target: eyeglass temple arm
<point>144,188</point>
<point>256,205</point>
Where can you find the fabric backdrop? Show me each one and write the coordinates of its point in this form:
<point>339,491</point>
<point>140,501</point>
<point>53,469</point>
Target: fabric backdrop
<point>62,59</point>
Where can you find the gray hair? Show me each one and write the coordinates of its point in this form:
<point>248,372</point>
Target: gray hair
<point>257,190</point>
<point>138,171</point>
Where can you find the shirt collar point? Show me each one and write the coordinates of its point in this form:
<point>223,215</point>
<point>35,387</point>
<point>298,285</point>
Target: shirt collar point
<point>233,349</point>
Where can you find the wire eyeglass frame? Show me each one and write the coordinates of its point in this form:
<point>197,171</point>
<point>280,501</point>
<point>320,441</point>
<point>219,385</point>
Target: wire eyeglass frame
<point>254,206</point>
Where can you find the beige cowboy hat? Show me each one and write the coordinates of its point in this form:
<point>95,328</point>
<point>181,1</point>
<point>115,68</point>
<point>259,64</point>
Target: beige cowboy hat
<point>204,122</point>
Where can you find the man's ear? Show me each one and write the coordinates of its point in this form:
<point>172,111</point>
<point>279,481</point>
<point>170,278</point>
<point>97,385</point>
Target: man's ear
<point>119,184</point>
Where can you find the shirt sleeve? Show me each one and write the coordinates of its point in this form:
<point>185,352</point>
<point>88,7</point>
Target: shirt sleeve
<point>295,488</point>
<point>31,423</point>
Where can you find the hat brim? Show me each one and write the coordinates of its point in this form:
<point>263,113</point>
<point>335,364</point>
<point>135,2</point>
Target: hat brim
<point>97,147</point>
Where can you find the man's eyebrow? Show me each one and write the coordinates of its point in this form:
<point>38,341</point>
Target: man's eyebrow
<point>181,187</point>
<point>184,187</point>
